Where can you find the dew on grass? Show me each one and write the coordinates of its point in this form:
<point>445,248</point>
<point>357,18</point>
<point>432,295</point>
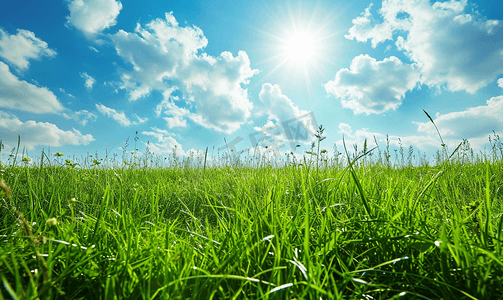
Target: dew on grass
<point>359,280</point>
<point>268,238</point>
<point>283,286</point>
<point>399,259</point>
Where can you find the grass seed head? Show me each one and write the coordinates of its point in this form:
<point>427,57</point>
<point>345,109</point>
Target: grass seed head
<point>52,221</point>
<point>4,189</point>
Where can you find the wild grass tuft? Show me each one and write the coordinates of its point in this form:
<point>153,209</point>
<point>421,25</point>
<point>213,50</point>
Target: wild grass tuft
<point>356,226</point>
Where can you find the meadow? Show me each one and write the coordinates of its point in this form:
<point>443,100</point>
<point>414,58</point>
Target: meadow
<point>368,225</point>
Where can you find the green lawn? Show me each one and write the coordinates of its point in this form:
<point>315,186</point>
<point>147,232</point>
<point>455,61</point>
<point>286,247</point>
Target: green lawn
<point>380,228</point>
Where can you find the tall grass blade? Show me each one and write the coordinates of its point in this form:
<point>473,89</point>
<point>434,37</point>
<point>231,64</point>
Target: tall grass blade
<point>103,208</point>
<point>357,181</point>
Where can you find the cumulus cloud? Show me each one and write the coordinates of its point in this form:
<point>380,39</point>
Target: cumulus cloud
<point>455,50</point>
<point>93,16</point>
<point>500,83</point>
<point>371,86</point>
<point>20,95</point>
<point>165,142</point>
<point>119,116</point>
<point>89,80</point>
<point>38,133</point>
<point>168,57</point>
<point>18,49</point>
<point>286,122</point>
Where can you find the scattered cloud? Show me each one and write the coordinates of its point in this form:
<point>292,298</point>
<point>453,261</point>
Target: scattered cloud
<point>20,95</point>
<point>68,94</point>
<point>371,86</point>
<point>167,57</point>
<point>165,142</point>
<point>454,50</point>
<point>18,49</point>
<point>119,117</point>
<point>81,117</point>
<point>500,83</point>
<point>89,80</point>
<point>35,134</point>
<point>93,16</point>
<point>94,49</point>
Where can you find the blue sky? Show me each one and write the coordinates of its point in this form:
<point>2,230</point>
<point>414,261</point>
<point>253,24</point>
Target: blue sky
<point>82,76</point>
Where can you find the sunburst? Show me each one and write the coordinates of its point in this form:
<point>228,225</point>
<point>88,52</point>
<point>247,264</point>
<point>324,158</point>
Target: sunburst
<point>299,45</point>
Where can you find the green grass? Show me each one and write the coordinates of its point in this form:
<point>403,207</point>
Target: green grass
<point>254,229</point>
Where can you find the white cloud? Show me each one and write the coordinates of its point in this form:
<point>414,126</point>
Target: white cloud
<point>18,49</point>
<point>358,137</point>
<point>81,116</point>
<point>20,95</point>
<point>89,80</point>
<point>119,117</point>
<point>345,129</point>
<point>277,105</point>
<point>94,49</point>
<point>287,125</point>
<point>68,94</point>
<point>365,28</point>
<point>500,83</point>
<point>165,142</point>
<point>177,119</point>
<point>38,133</point>
<point>473,123</point>
<point>176,113</point>
<point>454,50</point>
<point>167,57</point>
<point>371,86</point>
<point>93,16</point>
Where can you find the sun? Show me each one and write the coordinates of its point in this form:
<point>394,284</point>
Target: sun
<point>299,42</point>
<point>300,48</point>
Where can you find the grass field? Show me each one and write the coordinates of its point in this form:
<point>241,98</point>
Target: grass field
<point>367,227</point>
